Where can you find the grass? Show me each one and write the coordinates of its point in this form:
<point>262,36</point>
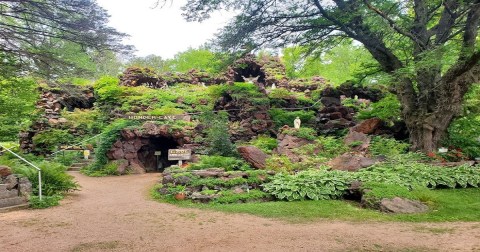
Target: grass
<point>448,205</point>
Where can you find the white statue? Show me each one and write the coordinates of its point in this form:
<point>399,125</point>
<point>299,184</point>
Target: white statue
<point>250,79</point>
<point>274,86</point>
<point>297,122</point>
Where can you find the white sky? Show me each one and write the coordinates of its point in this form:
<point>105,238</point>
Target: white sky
<point>160,31</point>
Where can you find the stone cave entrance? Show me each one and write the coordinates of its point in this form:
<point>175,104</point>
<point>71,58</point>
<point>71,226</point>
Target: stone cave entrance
<point>249,69</point>
<point>154,155</point>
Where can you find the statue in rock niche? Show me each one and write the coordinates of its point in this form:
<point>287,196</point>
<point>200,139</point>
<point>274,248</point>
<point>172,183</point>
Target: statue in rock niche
<point>250,79</point>
<point>274,86</point>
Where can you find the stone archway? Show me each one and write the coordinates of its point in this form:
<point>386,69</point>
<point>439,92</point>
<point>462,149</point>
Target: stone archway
<point>136,147</point>
<point>154,155</point>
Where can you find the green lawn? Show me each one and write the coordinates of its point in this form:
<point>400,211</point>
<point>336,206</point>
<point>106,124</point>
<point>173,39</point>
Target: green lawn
<point>446,205</point>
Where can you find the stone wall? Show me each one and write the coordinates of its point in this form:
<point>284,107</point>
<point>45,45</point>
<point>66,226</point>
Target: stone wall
<point>52,101</point>
<point>14,189</point>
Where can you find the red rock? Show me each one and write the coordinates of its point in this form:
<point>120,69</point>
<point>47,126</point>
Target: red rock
<point>288,144</point>
<point>254,156</point>
<point>5,171</point>
<point>118,154</point>
<point>361,140</point>
<point>350,162</point>
<point>368,126</point>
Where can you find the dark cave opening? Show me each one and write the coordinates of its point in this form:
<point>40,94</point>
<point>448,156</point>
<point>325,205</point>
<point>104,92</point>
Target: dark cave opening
<point>154,156</point>
<point>249,70</point>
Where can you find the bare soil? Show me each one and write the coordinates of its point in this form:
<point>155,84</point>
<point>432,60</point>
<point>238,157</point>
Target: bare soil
<point>116,214</point>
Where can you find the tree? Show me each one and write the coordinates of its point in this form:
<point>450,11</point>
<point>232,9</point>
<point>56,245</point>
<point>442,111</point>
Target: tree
<point>428,47</point>
<point>17,105</point>
<point>31,31</point>
<point>200,59</point>
<point>152,61</point>
<point>339,64</point>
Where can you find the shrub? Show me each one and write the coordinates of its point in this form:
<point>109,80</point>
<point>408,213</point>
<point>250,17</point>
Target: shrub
<point>280,93</point>
<point>279,164</point>
<point>281,117</point>
<point>303,132</point>
<point>88,120</point>
<point>109,137</point>
<point>67,158</point>
<point>50,140</point>
<point>387,146</point>
<point>108,90</point>
<point>331,146</point>
<point>228,197</point>
<point>55,180</point>
<point>218,137</point>
<point>388,109</point>
<point>109,169</point>
<point>46,202</point>
<point>315,185</point>
<point>228,163</point>
<point>265,143</point>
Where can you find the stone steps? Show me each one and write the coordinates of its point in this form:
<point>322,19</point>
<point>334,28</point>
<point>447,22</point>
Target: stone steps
<point>80,164</point>
<point>14,208</point>
<point>12,202</point>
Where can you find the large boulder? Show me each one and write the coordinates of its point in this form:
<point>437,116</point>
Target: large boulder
<point>401,205</point>
<point>5,171</point>
<point>351,162</point>
<point>288,144</point>
<point>254,156</point>
<point>11,181</point>
<point>368,126</point>
<point>357,140</point>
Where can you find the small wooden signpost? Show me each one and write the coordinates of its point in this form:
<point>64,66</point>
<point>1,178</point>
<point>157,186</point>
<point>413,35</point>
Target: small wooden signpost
<point>180,155</point>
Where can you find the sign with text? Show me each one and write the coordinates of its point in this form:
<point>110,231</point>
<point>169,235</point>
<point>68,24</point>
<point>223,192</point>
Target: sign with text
<point>179,154</point>
<point>157,118</point>
<point>71,147</point>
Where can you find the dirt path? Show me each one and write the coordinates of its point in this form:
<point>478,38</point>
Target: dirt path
<point>115,214</point>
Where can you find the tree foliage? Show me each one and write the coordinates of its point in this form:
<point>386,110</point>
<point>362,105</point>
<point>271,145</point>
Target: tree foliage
<point>34,32</point>
<point>17,104</point>
<point>427,47</point>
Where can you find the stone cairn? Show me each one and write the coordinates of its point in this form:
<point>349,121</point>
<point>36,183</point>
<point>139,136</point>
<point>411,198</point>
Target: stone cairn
<point>14,190</point>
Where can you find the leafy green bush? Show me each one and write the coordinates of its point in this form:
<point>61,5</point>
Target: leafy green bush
<point>463,132</point>
<point>303,132</point>
<point>88,120</point>
<point>279,164</point>
<point>110,135</point>
<point>50,140</point>
<point>218,137</point>
<point>228,197</point>
<point>311,184</point>
<point>388,109</point>
<point>331,146</point>
<point>108,90</point>
<point>265,143</point>
<point>109,169</point>
<point>55,180</point>
<point>322,184</point>
<point>387,146</point>
<point>414,175</point>
<point>279,93</point>
<point>46,202</point>
<point>228,163</point>
<point>67,158</point>
<point>281,117</point>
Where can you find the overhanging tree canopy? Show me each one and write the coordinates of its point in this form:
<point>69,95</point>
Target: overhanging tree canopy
<point>428,47</point>
<point>31,29</point>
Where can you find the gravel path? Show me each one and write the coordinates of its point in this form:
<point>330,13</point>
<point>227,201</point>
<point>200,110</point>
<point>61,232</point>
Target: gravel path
<point>116,214</point>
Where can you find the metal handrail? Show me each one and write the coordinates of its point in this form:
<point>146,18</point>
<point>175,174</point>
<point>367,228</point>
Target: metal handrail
<point>79,143</point>
<point>34,166</point>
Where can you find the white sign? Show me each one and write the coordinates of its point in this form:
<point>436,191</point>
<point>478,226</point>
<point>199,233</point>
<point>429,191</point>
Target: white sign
<point>179,154</point>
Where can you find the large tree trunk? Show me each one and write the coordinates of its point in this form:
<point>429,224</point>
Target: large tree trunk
<point>428,129</point>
